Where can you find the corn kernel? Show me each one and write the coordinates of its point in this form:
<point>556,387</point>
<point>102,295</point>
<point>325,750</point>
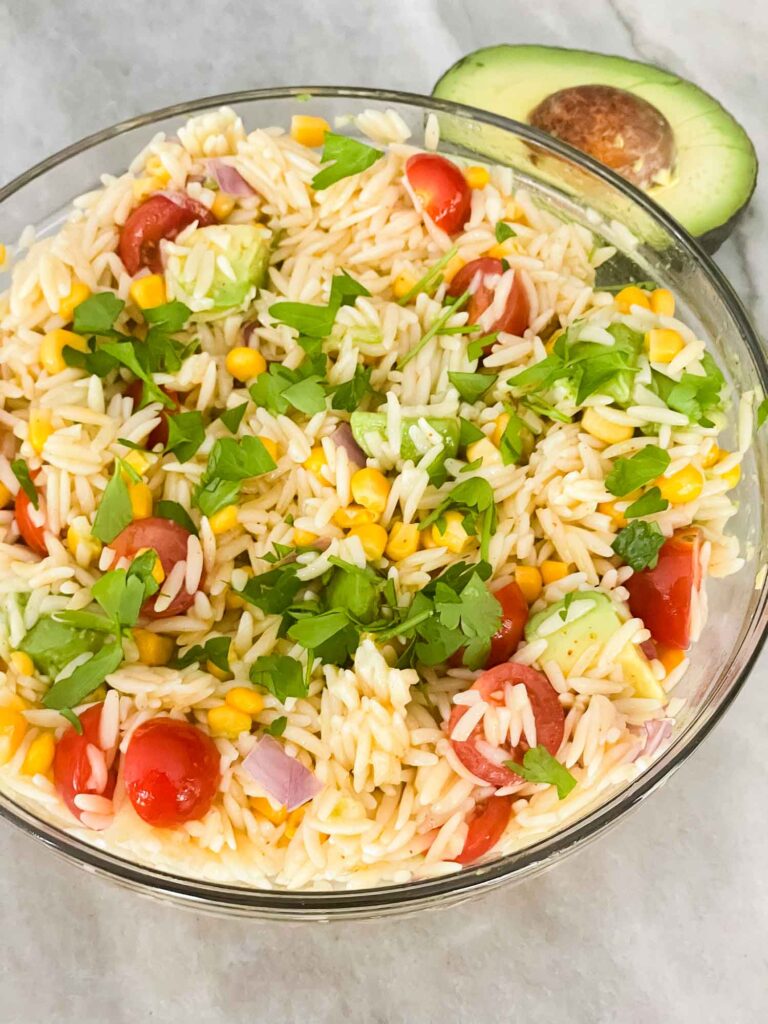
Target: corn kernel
<point>631,296</point>
<point>553,571</point>
<point>148,292</point>
<point>485,450</point>
<point>732,477</point>
<point>39,756</point>
<point>499,427</point>
<point>13,726</point>
<point>272,450</point>
<point>141,500</point>
<point>40,429</point>
<point>309,131</point>
<point>477,177</point>
<point>293,821</point>
<point>153,649</point>
<point>52,349</point>
<point>370,488</point>
<point>685,485</point>
<point>604,429</point>
<point>402,284</point>
<point>158,572</point>
<point>528,578</point>
<point>302,538</point>
<point>403,541</point>
<point>242,698</point>
<point>373,539</point>
<point>618,519</point>
<point>78,293</point>
<point>663,344</point>
<point>316,463</point>
<point>219,673</point>
<point>353,515</point>
<point>223,520</point>
<point>138,461</point>
<point>222,206</point>
<point>670,657</point>
<point>227,721</point>
<point>713,456</point>
<point>500,250</point>
<point>262,806</point>
<point>663,302</point>
<point>143,187</point>
<point>452,267</point>
<point>5,496</point>
<point>22,662</point>
<point>453,536</point>
<point>90,549</point>
<point>426,540</point>
<point>157,169</point>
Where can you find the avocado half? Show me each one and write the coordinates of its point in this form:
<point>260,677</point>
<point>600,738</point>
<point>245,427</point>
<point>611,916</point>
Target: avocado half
<point>674,139</point>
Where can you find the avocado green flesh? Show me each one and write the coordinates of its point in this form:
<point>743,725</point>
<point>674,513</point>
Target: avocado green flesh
<point>364,424</point>
<point>51,645</point>
<point>567,643</point>
<point>716,166</point>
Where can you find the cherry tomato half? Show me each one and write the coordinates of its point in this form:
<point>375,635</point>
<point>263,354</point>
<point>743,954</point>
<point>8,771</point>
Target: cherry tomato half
<point>661,596</point>
<point>169,540</point>
<point>159,434</point>
<point>32,534</point>
<point>514,615</point>
<point>514,318</point>
<point>485,828</point>
<point>442,190</point>
<point>160,217</point>
<point>171,772</point>
<point>72,769</point>
<point>547,712</point>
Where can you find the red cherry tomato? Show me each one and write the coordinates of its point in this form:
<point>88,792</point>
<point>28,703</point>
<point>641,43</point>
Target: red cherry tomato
<point>661,597</point>
<point>516,313</point>
<point>72,770</point>
<point>32,535</point>
<point>156,219</point>
<point>485,828</point>
<point>169,540</point>
<point>547,712</point>
<point>514,615</point>
<point>159,434</point>
<point>442,189</point>
<point>171,772</point>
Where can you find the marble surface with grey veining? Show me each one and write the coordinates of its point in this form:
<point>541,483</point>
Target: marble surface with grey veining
<point>663,919</point>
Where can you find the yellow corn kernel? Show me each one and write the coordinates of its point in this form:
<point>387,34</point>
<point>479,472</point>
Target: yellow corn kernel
<point>403,541</point>
<point>528,578</point>
<point>500,250</point>
<point>484,449</point>
<point>499,427</point>
<point>13,726</point>
<point>631,296</point>
<point>40,429</point>
<point>618,519</point>
<point>293,821</point>
<point>663,302</point>
<point>153,649</point>
<point>242,698</point>
<point>262,806</point>
<point>683,486</point>
<point>157,169</point>
<point>158,572</point>
<point>5,495</point>
<point>223,520</point>
<point>373,539</point>
<point>219,673</point>
<point>22,662</point>
<point>453,536</point>
<point>227,721</point>
<point>604,429</point>
<point>143,187</point>
<point>302,538</point>
<point>553,571</point>
<point>78,293</point>
<point>272,450</point>
<point>370,488</point>
<point>732,477</point>
<point>222,206</point>
<point>141,500</point>
<point>477,177</point>
<point>53,345</point>
<point>426,539</point>
<point>316,462</point>
<point>713,456</point>
<point>663,344</point>
<point>353,515</point>
<point>138,461</point>
<point>39,756</point>
<point>402,284</point>
<point>309,131</point>
<point>148,292</point>
<point>452,267</point>
<point>91,547</point>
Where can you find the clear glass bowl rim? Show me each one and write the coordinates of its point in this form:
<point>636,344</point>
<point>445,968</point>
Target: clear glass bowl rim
<point>393,899</point>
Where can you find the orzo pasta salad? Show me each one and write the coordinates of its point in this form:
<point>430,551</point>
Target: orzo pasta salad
<point>349,533</point>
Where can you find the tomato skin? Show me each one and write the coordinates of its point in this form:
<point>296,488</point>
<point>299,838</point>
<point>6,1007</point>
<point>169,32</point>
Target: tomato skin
<point>158,218</point>
<point>516,314</point>
<point>547,712</point>
<point>159,434</point>
<point>71,767</point>
<point>169,540</point>
<point>32,535</point>
<point>514,615</point>
<point>442,189</point>
<point>172,772</point>
<point>661,596</point>
<point>485,828</point>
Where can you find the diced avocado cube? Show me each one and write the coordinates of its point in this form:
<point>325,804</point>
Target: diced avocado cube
<point>51,645</point>
<point>235,255</point>
<point>368,428</point>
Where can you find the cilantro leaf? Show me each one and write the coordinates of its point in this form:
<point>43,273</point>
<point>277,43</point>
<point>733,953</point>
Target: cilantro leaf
<point>475,499</point>
<point>69,692</point>
<point>348,157</point>
<point>230,463</point>
<point>280,675</point>
<point>504,231</point>
<point>20,470</point>
<point>472,386</point>
<point>627,474</point>
<point>114,512</point>
<point>350,394</point>
<point>539,766</point>
<point>277,727</point>
<point>647,504</point>
<point>171,316</point>
<point>468,433</point>
<point>215,650</point>
<point>186,433</point>
<point>273,591</point>
<point>280,388</point>
<point>638,544</point>
<point>176,513</point>
<point>515,440</point>
<point>97,314</point>
<point>330,635</point>
<point>232,418</point>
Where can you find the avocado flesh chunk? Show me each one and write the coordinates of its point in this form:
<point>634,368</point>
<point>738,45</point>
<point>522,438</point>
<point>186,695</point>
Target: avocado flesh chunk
<point>590,618</point>
<point>51,645</point>
<point>365,424</point>
<point>716,165</point>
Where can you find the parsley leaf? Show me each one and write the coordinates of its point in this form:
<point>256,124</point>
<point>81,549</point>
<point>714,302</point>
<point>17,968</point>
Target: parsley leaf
<point>176,513</point>
<point>69,692</point>
<point>114,512</point>
<point>468,433</point>
<point>472,386</point>
<point>215,650</point>
<point>475,499</point>
<point>230,463</point>
<point>280,388</point>
<point>232,418</point>
<point>317,321</point>
<point>127,353</point>
<point>20,470</point>
<point>351,393</point>
<point>186,433</point>
<point>331,635</point>
<point>504,231</point>
<point>647,504</point>
<point>694,395</point>
<point>638,544</point>
<point>348,157</point>
<point>515,440</point>
<point>171,316</point>
<point>121,593</point>
<point>539,766</point>
<point>627,474</point>
<point>281,675</point>
<point>277,727</point>
<point>97,314</point>
<point>273,591</point>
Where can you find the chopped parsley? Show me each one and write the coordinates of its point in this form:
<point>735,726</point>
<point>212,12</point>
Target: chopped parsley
<point>638,544</point>
<point>186,432</point>
<point>215,650</point>
<point>344,157</point>
<point>627,474</point>
<point>696,396</point>
<point>539,766</point>
<point>504,231</point>
<point>474,499</point>
<point>647,504</point>
<point>277,727</point>
<point>73,690</point>
<point>97,314</point>
<point>114,512</point>
<point>232,418</point>
<point>280,675</point>
<point>122,592</point>
<point>472,386</point>
<point>230,463</point>
<point>176,512</point>
<point>350,394</point>
<point>317,321</point>
<point>515,440</point>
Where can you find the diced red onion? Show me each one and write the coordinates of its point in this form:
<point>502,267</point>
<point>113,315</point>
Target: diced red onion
<point>657,731</point>
<point>342,438</point>
<point>229,180</point>
<point>648,647</point>
<point>282,776</point>
<point>248,330</point>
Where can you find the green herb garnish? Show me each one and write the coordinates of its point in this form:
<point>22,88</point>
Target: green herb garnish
<point>186,432</point>
<point>114,512</point>
<point>230,463</point>
<point>20,470</point>
<point>280,675</point>
<point>176,513</point>
<point>504,231</point>
<point>647,504</point>
<point>346,156</point>
<point>215,650</point>
<point>232,418</point>
<point>539,766</point>
<point>627,474</point>
<point>638,544</point>
<point>277,727</point>
<point>472,386</point>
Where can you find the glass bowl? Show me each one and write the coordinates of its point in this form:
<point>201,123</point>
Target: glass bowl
<point>650,246</point>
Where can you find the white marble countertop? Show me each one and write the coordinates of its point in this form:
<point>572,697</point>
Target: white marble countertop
<point>666,917</point>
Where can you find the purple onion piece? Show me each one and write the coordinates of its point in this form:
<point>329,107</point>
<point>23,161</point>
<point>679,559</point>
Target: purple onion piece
<point>282,776</point>
<point>342,438</point>
<point>228,179</point>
